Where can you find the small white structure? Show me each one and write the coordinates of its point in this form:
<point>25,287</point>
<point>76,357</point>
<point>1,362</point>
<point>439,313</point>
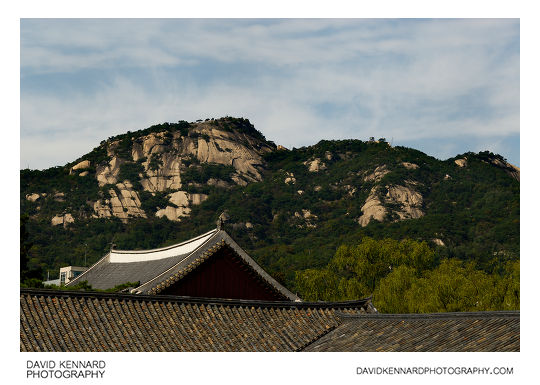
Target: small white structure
<point>69,273</point>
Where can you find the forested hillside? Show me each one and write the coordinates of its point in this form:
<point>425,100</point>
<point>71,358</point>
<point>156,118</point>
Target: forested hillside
<point>307,215</point>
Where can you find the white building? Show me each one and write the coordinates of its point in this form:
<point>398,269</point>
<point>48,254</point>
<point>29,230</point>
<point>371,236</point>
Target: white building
<point>67,274</point>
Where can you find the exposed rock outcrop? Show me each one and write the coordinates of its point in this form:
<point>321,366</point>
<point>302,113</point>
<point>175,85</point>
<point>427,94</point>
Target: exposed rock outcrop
<point>289,178</point>
<point>222,183</point>
<point>438,241</point>
<point>408,200</point>
<point>127,203</point>
<point>461,162</point>
<point>165,177</point>
<point>242,226</point>
<point>124,205</point>
<point>181,201</point>
<point>81,165</point>
<point>372,209</point>
<point>62,219</point>
<point>409,166</point>
<point>179,198</point>
<point>102,208</point>
<point>108,173</point>
<point>173,213</point>
<point>32,197</point>
<point>229,148</point>
<point>197,199</point>
<point>315,165</point>
<point>164,158</point>
<point>307,217</point>
<point>377,174</point>
<point>513,171</point>
<point>59,197</point>
<point>351,190</point>
<point>510,169</point>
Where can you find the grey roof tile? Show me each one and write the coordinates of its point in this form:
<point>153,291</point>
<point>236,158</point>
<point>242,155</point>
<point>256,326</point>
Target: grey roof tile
<point>451,332</point>
<point>95,321</point>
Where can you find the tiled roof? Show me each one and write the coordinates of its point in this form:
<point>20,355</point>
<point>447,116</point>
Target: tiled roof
<point>121,266</point>
<point>451,332</point>
<point>160,268</point>
<point>94,321</point>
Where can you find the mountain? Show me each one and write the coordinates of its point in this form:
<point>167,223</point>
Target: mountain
<point>290,209</point>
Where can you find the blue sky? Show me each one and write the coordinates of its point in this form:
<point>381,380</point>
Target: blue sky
<point>441,86</point>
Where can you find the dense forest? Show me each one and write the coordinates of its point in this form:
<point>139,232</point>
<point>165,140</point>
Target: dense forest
<point>301,225</point>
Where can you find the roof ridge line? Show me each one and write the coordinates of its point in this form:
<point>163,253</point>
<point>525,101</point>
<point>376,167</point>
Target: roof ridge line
<point>182,260</point>
<point>164,247</point>
<point>424,316</point>
<point>258,268</point>
<point>78,278</point>
<point>185,299</point>
<point>317,338</point>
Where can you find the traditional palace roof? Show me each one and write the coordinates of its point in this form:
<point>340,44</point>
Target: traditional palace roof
<point>207,294</point>
<point>450,332</point>
<point>165,270</point>
<point>96,322</point>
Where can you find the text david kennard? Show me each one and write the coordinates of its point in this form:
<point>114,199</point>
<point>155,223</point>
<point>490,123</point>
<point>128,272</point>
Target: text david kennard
<point>65,369</point>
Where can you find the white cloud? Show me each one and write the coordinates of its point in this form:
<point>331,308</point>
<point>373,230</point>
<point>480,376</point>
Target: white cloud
<point>401,79</point>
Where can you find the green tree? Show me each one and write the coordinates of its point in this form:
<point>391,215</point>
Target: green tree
<point>453,286</point>
<point>357,270</point>
<point>29,276</point>
<point>390,296</point>
<point>508,287</point>
<point>318,284</point>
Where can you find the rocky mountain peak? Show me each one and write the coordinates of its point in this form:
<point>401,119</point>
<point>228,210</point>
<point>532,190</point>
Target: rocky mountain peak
<point>171,158</point>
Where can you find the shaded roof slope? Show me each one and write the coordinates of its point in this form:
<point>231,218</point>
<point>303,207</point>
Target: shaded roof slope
<point>121,266</point>
<point>451,332</point>
<point>92,321</point>
<point>160,268</point>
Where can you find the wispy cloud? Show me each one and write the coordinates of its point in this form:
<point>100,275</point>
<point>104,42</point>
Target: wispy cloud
<point>299,81</point>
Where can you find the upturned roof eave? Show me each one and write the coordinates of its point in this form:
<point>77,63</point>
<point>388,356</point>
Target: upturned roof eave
<point>147,286</point>
<point>104,259</point>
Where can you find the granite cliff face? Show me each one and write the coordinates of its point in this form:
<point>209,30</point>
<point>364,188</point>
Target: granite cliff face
<point>165,156</point>
<point>169,160</point>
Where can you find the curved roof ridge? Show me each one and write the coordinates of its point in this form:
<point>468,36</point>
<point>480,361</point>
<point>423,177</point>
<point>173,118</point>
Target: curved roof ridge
<point>167,272</point>
<point>165,247</point>
<point>186,247</point>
